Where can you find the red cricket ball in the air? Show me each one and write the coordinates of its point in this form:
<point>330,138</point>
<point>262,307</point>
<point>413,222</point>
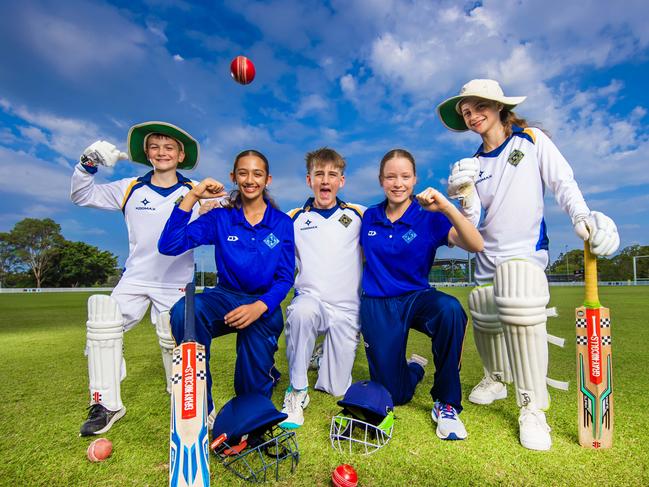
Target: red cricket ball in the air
<point>242,70</point>
<point>344,476</point>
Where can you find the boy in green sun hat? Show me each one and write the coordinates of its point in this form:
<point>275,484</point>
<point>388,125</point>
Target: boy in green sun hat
<point>148,277</point>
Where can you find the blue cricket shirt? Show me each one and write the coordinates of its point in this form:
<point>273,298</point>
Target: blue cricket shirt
<point>257,260</point>
<point>399,255</point>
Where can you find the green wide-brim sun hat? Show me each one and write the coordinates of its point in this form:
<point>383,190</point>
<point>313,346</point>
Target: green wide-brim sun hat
<point>486,89</point>
<point>137,135</point>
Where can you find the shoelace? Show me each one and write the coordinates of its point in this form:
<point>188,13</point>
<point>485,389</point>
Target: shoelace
<point>447,411</point>
<point>292,402</point>
<point>486,382</point>
<point>95,411</point>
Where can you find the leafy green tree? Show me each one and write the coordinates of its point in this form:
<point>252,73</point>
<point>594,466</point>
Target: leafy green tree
<point>81,264</point>
<point>616,268</point>
<point>622,263</point>
<point>8,259</point>
<point>569,263</point>
<point>34,243</point>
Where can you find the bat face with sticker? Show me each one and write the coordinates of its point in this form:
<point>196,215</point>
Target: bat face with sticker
<point>594,364</point>
<point>188,438</point>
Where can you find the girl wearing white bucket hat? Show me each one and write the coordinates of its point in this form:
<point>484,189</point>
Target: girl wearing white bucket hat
<point>501,191</point>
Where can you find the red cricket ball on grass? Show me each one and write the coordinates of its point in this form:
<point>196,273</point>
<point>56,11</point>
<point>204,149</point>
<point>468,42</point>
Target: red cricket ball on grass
<point>242,70</point>
<point>344,476</point>
<point>99,450</point>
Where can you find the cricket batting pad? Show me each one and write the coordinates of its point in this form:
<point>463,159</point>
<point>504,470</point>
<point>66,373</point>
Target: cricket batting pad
<point>105,333</point>
<point>489,334</point>
<point>167,344</point>
<point>521,294</point>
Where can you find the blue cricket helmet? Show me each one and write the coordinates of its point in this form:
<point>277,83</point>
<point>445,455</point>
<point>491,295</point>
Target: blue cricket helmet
<point>245,414</point>
<point>248,441</point>
<point>368,399</point>
<point>366,422</point>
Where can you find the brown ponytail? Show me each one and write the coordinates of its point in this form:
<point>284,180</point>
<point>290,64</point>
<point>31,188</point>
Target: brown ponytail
<point>509,118</point>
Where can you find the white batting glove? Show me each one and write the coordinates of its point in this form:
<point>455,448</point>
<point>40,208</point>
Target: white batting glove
<point>599,230</point>
<point>461,182</point>
<point>102,153</point>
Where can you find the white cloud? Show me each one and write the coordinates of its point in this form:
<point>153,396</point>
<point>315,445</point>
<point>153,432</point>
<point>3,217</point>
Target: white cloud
<point>362,184</point>
<point>75,46</point>
<point>34,134</point>
<point>68,136</point>
<point>348,85</point>
<point>26,175</point>
<point>311,104</point>
<point>157,27</point>
<point>7,136</point>
<point>178,58</point>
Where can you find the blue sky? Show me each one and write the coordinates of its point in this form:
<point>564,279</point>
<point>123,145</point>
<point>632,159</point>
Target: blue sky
<point>359,76</point>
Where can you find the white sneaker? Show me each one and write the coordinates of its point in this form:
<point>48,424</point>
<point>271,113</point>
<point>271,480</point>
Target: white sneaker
<point>488,391</point>
<point>418,359</point>
<point>314,363</point>
<point>295,402</point>
<point>534,430</point>
<point>449,424</point>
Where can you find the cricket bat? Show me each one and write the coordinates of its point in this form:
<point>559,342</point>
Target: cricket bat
<point>188,438</point>
<point>594,364</point>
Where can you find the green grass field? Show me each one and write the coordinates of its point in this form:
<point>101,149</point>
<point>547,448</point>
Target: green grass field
<point>43,395</point>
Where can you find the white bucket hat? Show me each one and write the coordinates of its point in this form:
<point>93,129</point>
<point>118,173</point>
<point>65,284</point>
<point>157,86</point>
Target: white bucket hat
<point>449,110</point>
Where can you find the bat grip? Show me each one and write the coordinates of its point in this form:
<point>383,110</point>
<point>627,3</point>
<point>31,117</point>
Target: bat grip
<point>591,298</point>
<point>190,326</point>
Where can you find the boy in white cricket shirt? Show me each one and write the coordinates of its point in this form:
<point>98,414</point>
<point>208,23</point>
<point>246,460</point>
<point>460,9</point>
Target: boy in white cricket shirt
<point>329,266</point>
<point>149,277</point>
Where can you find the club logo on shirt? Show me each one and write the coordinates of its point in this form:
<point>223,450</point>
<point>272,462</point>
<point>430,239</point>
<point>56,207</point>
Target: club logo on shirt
<point>271,240</point>
<point>345,220</point>
<point>371,233</point>
<point>409,236</point>
<point>232,238</point>
<point>515,157</point>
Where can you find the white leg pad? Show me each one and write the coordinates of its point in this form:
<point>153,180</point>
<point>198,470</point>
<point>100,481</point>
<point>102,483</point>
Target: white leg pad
<point>105,337</point>
<point>489,334</point>
<point>521,294</point>
<point>167,344</point>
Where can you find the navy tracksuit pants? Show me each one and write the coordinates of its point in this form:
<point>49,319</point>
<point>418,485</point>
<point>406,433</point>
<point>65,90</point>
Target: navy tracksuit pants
<point>386,322</point>
<point>254,369</point>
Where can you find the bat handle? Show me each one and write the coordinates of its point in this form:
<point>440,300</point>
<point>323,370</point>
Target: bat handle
<point>190,326</point>
<point>591,297</point>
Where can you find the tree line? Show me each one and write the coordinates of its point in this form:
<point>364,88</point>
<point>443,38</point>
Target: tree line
<point>618,267</point>
<point>35,254</point>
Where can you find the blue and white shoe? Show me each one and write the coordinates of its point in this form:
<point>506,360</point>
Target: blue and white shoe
<point>449,424</point>
<point>295,401</point>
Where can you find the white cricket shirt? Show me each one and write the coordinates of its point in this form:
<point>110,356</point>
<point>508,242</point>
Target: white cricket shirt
<point>146,209</point>
<point>510,189</point>
<point>328,253</point>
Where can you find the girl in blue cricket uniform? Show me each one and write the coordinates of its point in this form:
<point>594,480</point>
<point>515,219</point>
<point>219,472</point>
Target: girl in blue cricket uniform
<point>399,237</point>
<point>255,260</point>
